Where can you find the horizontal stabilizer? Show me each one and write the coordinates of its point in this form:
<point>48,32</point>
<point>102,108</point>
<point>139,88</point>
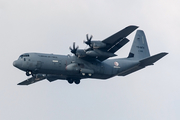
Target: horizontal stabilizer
<point>152,59</point>
<point>143,63</point>
<point>131,70</point>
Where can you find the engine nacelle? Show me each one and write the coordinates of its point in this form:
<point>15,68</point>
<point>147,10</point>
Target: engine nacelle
<point>98,44</point>
<point>80,53</point>
<point>88,71</point>
<point>98,53</point>
<point>74,67</point>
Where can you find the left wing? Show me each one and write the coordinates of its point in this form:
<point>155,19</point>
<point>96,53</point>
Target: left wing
<point>101,50</point>
<point>33,79</point>
<point>116,41</point>
<point>114,48</point>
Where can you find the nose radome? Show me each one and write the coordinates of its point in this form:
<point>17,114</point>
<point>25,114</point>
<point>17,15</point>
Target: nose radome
<point>15,63</point>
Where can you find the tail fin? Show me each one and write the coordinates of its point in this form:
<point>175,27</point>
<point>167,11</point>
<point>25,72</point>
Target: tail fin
<point>139,49</point>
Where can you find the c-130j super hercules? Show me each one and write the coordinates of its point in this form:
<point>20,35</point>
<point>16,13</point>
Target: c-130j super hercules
<point>89,63</point>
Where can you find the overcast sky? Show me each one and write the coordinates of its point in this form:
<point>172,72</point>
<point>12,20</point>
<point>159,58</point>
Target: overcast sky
<point>51,26</point>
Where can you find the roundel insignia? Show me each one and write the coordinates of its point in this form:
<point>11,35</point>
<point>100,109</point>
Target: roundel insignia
<point>116,64</point>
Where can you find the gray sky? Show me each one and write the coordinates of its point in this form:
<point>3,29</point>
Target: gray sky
<point>51,26</point>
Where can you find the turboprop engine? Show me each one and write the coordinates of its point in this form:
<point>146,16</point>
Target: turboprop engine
<point>94,44</point>
<point>75,67</point>
<point>98,44</point>
<point>98,53</point>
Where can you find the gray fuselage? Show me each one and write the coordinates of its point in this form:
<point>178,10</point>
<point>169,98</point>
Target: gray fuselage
<point>65,67</point>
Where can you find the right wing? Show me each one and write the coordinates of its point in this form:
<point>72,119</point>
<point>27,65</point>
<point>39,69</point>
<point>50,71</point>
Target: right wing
<point>33,79</point>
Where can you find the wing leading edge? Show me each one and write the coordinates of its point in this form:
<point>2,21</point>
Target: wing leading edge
<point>120,35</point>
<point>33,79</point>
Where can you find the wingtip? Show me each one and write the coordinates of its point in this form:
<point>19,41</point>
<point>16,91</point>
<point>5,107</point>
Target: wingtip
<point>21,84</point>
<point>133,26</point>
<point>165,53</point>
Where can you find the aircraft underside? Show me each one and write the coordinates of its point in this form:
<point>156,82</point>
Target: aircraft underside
<point>92,62</point>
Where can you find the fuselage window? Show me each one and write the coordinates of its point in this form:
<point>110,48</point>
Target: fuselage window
<point>24,55</point>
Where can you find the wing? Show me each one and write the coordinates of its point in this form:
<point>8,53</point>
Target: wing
<point>101,50</point>
<point>116,41</point>
<point>33,79</point>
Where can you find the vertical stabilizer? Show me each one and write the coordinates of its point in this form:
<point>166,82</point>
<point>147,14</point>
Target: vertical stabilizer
<point>139,49</point>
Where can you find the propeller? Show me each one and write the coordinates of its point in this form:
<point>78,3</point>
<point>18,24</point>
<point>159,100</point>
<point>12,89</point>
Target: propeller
<point>74,49</point>
<point>88,42</point>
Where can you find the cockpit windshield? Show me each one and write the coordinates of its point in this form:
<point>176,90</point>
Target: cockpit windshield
<point>24,55</point>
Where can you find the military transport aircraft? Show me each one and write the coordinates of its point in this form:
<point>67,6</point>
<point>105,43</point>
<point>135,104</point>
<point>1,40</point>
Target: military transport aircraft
<point>89,63</point>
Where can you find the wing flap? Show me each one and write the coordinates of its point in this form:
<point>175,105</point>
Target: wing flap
<point>114,48</point>
<point>118,45</point>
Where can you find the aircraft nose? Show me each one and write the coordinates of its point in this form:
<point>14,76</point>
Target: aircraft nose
<point>16,64</point>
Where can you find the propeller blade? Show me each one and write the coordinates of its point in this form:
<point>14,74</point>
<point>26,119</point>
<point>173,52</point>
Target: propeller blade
<point>73,45</point>
<point>70,48</point>
<point>87,37</point>
<point>88,42</point>
<point>90,38</point>
<point>77,47</point>
<point>74,48</point>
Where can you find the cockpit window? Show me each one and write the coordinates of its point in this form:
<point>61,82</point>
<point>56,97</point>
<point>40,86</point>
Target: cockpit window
<point>24,55</point>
